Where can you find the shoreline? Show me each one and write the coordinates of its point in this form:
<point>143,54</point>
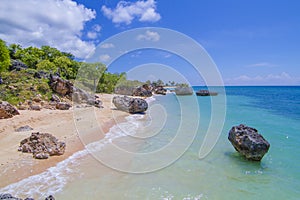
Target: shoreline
<point>16,166</point>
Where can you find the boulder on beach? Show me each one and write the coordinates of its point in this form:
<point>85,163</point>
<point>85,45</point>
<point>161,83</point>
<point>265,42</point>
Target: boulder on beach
<point>62,106</point>
<point>24,128</point>
<point>11,197</point>
<point>66,89</point>
<point>131,105</point>
<point>248,142</point>
<point>7,110</point>
<point>42,145</point>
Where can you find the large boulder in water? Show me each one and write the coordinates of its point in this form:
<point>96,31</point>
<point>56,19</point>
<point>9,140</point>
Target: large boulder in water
<point>248,142</point>
<point>42,145</point>
<point>184,91</point>
<point>7,110</point>
<point>131,105</point>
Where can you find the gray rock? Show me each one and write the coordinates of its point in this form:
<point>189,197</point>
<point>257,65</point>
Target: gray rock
<point>17,65</point>
<point>7,196</point>
<point>160,90</point>
<point>50,197</point>
<point>131,105</point>
<point>24,128</point>
<point>55,98</point>
<point>35,107</point>
<point>42,145</point>
<point>142,91</point>
<point>41,155</point>
<point>248,142</point>
<point>63,106</point>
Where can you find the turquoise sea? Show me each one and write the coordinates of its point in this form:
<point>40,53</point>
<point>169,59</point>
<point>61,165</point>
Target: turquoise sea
<point>222,174</point>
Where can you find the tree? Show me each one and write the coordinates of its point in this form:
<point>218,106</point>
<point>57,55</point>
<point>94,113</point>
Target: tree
<point>4,56</point>
<point>92,71</point>
<point>159,82</point>
<point>64,66</point>
<point>31,56</point>
<point>46,65</point>
<point>50,53</point>
<point>13,49</point>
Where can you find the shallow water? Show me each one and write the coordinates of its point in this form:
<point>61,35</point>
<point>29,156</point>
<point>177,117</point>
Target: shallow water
<point>223,174</point>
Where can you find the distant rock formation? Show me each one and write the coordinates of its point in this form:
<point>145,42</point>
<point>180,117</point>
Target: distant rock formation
<point>184,91</point>
<point>248,142</point>
<point>206,93</point>
<point>7,196</point>
<point>42,145</point>
<point>160,90</point>
<point>142,91</point>
<point>7,110</point>
<point>131,105</point>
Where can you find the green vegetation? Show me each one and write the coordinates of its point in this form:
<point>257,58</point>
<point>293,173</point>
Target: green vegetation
<point>22,84</point>
<point>4,57</point>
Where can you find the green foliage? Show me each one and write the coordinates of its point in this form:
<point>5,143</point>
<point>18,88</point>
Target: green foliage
<point>46,65</point>
<point>90,73</point>
<point>13,48</point>
<point>4,56</point>
<point>108,82</point>
<point>21,85</point>
<point>66,67</point>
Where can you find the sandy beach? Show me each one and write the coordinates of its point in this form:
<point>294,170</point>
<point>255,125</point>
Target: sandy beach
<point>64,125</point>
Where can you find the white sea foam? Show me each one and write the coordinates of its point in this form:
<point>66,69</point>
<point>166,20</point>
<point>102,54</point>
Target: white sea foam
<point>54,179</point>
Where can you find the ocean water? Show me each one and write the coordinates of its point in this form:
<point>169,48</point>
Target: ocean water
<point>156,155</point>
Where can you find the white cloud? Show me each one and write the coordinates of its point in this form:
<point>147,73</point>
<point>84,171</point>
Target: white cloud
<point>58,23</point>
<point>104,57</point>
<point>270,79</point>
<point>95,31</point>
<point>125,12</point>
<point>262,64</point>
<point>149,36</point>
<point>107,46</point>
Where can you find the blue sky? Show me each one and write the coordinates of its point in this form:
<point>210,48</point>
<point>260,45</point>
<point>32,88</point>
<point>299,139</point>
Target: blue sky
<point>252,42</point>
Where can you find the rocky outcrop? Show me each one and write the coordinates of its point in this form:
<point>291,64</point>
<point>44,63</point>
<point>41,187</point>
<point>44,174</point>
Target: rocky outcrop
<point>7,196</point>
<point>66,89</point>
<point>142,91</point>
<point>60,86</point>
<point>206,93</point>
<point>7,110</point>
<point>17,65</point>
<point>248,142</point>
<point>131,105</point>
<point>42,145</point>
<point>183,91</point>
<point>160,90</point>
